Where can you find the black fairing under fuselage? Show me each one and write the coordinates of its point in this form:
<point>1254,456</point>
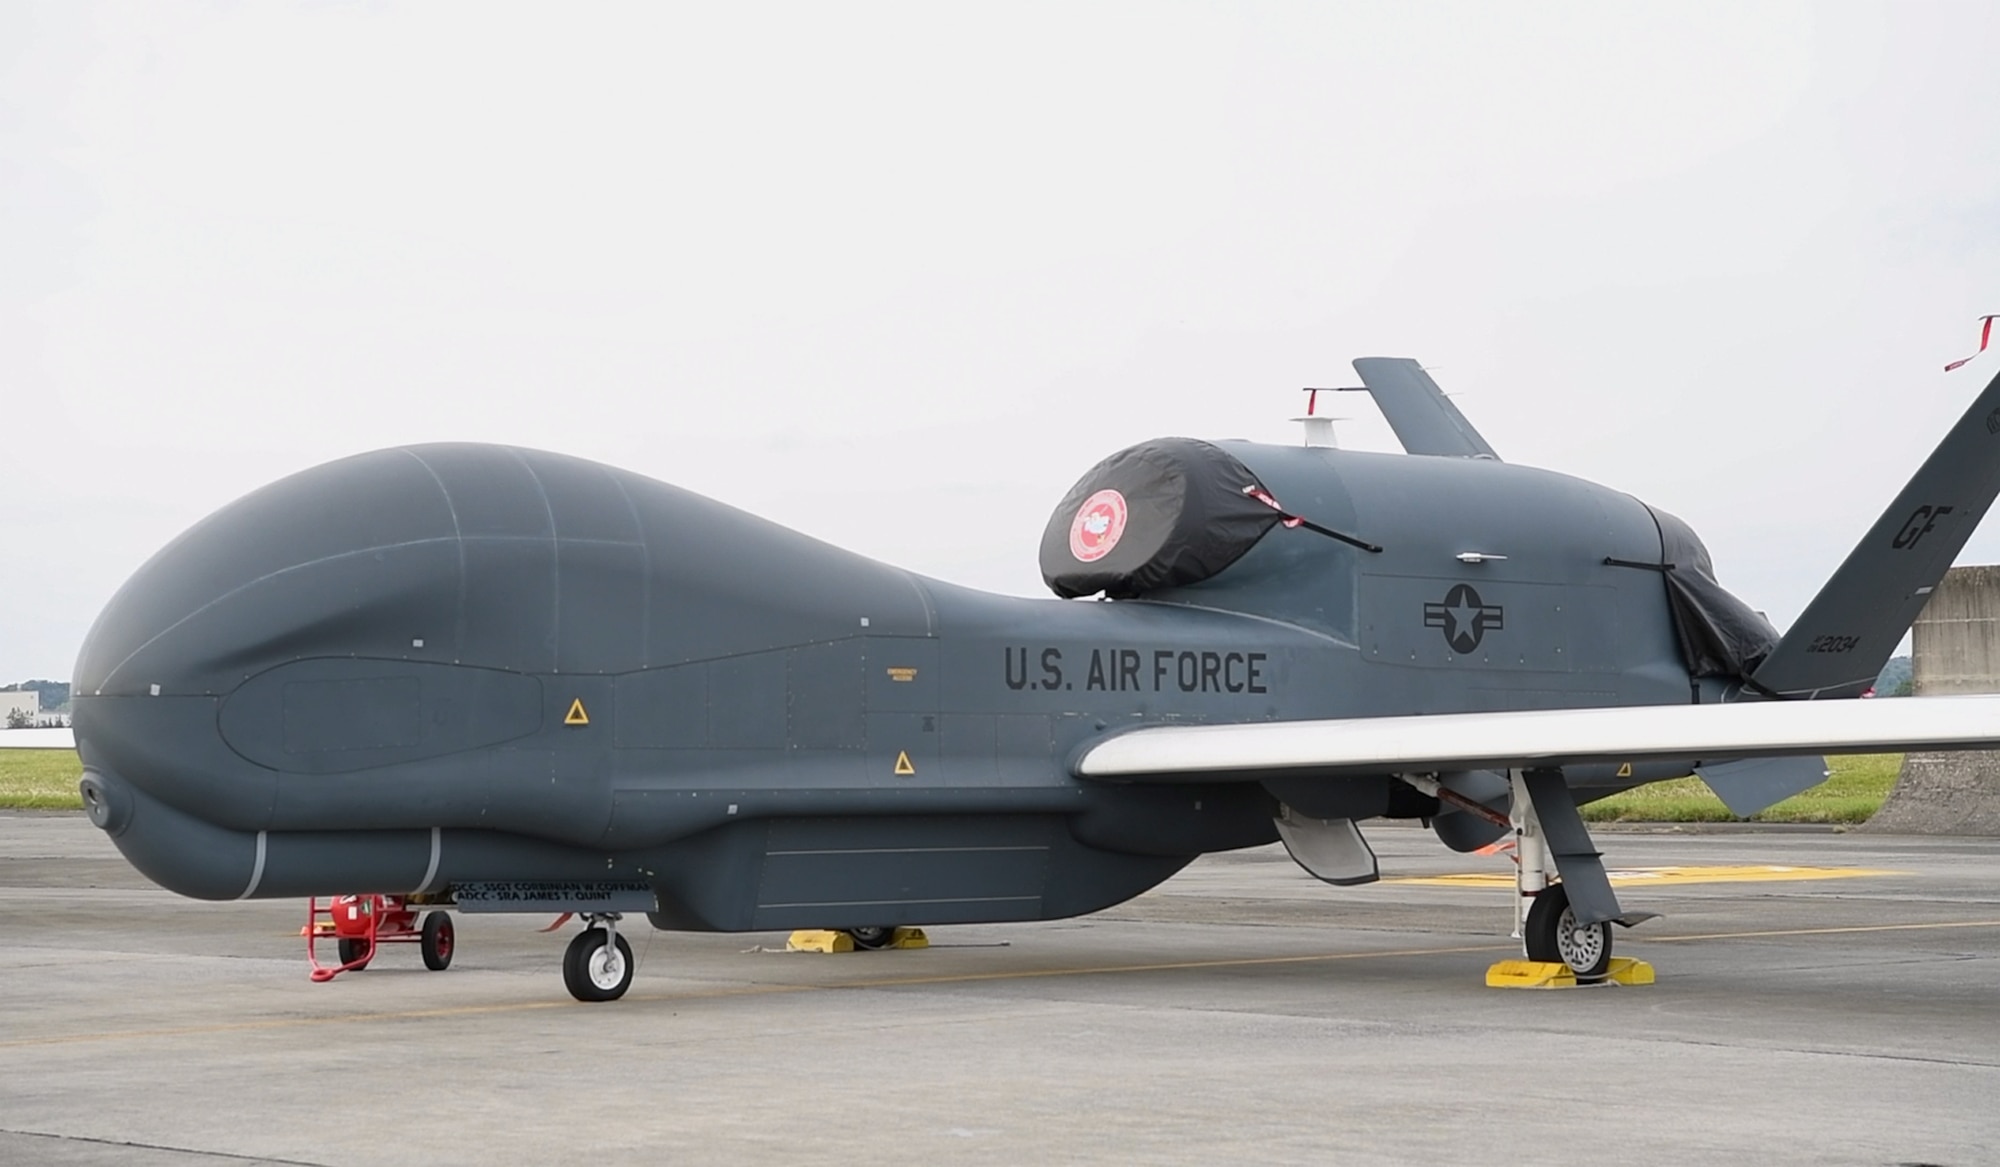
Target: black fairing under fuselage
<point>420,667</point>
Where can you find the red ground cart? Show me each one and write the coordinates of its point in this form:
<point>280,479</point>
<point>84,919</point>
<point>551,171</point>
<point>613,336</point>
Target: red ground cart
<point>361,922</point>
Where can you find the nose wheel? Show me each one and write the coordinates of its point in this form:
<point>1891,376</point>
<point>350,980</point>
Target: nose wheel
<point>598,963</point>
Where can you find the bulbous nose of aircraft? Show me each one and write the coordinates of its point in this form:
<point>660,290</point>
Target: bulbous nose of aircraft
<point>388,643</point>
<point>401,604</point>
<point>322,556</point>
<point>356,557</point>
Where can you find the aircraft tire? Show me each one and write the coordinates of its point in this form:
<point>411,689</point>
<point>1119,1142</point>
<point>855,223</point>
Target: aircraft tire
<point>1553,936</point>
<point>353,948</point>
<point>873,937</point>
<point>593,971</point>
<point>438,941</point>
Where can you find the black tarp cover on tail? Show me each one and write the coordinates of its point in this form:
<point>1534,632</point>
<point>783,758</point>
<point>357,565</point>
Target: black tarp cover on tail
<point>1164,513</point>
<point>1720,635</point>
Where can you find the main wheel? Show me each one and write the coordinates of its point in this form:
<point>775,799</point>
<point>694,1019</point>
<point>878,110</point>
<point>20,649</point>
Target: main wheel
<point>437,941</point>
<point>596,971</point>
<point>1554,936</point>
<point>353,948</point>
<point>873,937</point>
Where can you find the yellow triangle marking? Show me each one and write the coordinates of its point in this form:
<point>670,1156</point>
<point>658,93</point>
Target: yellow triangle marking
<point>576,714</point>
<point>1625,771</point>
<point>903,767</point>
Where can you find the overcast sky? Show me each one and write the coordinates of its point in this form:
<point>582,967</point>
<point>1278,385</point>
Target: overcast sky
<point>896,275</point>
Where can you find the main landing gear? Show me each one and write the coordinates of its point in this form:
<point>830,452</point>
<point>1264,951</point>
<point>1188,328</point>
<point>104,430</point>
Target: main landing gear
<point>1563,925</point>
<point>598,964</point>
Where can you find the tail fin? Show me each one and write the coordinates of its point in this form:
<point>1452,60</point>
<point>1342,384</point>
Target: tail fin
<point>1840,643</point>
<point>1425,420</point>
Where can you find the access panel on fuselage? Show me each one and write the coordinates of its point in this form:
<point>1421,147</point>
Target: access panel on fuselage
<point>835,872</point>
<point>1487,622</point>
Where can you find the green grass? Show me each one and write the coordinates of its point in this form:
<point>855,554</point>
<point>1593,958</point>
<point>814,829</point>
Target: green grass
<point>40,780</point>
<point>1859,784</point>
<point>46,779</point>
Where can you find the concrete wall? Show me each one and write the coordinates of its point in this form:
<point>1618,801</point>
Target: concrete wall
<point>1957,638</point>
<point>1955,649</point>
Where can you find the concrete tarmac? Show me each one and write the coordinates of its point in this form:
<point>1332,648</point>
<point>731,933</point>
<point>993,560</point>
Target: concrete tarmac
<point>1241,1012</point>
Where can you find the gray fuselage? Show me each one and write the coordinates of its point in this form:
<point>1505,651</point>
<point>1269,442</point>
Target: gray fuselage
<point>423,667</point>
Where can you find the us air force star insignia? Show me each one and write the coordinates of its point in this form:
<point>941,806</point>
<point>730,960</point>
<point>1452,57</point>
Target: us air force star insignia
<point>1464,617</point>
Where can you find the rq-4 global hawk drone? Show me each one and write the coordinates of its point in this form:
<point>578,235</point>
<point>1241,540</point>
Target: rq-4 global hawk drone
<point>516,681</point>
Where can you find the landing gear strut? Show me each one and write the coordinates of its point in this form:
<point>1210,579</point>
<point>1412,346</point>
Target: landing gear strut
<point>1551,917</point>
<point>1565,927</point>
<point>598,964</point>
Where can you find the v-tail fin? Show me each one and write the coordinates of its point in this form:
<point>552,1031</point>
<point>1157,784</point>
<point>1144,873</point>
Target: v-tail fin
<point>1839,644</point>
<point>1425,420</point>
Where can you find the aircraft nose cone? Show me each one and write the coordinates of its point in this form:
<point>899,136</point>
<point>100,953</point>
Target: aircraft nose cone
<point>314,559</point>
<point>328,562</point>
<point>379,609</point>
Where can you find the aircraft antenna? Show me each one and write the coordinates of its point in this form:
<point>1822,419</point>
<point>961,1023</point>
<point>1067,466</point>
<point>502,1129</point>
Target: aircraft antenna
<point>1319,426</point>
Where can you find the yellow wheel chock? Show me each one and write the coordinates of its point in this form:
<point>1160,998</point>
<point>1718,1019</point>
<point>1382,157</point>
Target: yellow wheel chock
<point>828,940</point>
<point>1537,974</point>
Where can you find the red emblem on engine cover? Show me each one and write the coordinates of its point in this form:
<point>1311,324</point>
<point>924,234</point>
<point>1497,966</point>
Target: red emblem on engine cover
<point>1098,523</point>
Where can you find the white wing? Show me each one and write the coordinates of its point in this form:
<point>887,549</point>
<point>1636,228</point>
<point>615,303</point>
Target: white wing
<point>1546,738</point>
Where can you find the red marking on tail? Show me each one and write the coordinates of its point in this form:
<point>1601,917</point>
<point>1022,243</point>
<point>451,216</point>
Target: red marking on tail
<point>1985,334</point>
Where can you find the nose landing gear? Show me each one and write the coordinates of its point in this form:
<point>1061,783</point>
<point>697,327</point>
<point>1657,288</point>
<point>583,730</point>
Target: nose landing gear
<point>598,963</point>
